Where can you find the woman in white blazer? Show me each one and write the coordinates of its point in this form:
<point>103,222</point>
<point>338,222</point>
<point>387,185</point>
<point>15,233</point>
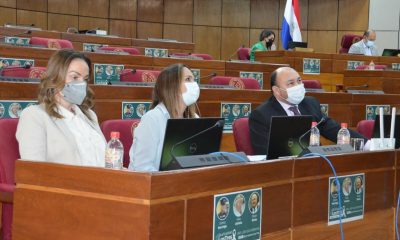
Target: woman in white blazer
<point>174,96</point>
<point>62,128</point>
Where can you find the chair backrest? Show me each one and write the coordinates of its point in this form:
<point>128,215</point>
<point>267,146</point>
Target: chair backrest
<point>51,43</point>
<point>366,128</point>
<point>366,67</point>
<point>125,127</point>
<point>347,41</point>
<point>313,84</point>
<point>204,56</point>
<point>130,50</point>
<point>243,53</point>
<point>32,72</point>
<point>237,82</point>
<point>9,150</point>
<point>138,75</point>
<point>241,135</point>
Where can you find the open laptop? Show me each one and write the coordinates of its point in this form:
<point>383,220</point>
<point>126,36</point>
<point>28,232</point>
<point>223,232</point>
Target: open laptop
<point>390,52</point>
<point>284,135</point>
<point>387,119</point>
<point>293,45</point>
<point>178,130</point>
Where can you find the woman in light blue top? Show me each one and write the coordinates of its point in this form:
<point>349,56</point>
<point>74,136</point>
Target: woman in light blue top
<point>174,96</point>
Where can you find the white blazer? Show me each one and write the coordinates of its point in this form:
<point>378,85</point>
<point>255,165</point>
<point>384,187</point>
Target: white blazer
<point>48,139</point>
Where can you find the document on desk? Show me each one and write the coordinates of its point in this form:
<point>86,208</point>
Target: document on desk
<point>352,192</point>
<point>237,215</point>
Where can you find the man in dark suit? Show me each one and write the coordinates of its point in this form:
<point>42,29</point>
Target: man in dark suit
<point>288,100</point>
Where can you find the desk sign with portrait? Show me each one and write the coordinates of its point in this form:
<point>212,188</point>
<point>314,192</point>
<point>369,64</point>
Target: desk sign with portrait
<point>156,52</point>
<point>134,110</point>
<point>237,215</point>
<point>17,41</point>
<point>15,62</point>
<point>13,108</point>
<point>106,73</point>
<point>371,111</point>
<point>92,47</point>
<point>352,189</point>
<point>232,111</point>
<point>259,76</point>
<point>396,66</point>
<point>352,65</point>
<point>311,66</point>
<point>324,109</point>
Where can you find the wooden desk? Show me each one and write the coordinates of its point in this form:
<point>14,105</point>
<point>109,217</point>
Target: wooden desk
<point>332,66</point>
<point>54,201</point>
<point>387,81</point>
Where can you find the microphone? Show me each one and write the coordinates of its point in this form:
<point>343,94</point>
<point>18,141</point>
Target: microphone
<point>209,75</point>
<point>235,53</point>
<point>360,86</point>
<point>323,119</point>
<point>218,124</point>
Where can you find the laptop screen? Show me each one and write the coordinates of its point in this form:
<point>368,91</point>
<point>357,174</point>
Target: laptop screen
<point>178,130</point>
<point>284,134</point>
<point>390,52</point>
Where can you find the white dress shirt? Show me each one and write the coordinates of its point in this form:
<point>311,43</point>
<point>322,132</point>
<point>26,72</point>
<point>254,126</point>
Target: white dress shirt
<point>286,108</point>
<point>91,145</point>
<point>145,152</point>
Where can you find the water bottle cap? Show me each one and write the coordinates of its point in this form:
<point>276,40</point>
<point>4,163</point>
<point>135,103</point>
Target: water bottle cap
<point>114,134</point>
<point>343,125</point>
<point>313,124</point>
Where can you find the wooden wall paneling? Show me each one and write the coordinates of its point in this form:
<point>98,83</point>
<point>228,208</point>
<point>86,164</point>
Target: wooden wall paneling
<point>182,33</point>
<point>8,15</point>
<point>150,11</point>
<point>60,22</point>
<point>123,9</point>
<point>236,13</point>
<point>123,28</point>
<point>8,3</point>
<point>178,11</point>
<point>146,30</point>
<point>322,15</point>
<point>255,36</point>
<point>264,14</point>
<point>232,39</point>
<point>88,23</point>
<point>94,8</point>
<point>207,12</point>
<point>62,6</point>
<point>353,15</point>
<point>29,17</point>
<point>207,40</point>
<point>340,35</point>
<point>37,5</point>
<point>322,41</point>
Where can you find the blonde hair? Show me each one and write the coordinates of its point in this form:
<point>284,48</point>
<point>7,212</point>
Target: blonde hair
<point>53,81</point>
<point>167,91</point>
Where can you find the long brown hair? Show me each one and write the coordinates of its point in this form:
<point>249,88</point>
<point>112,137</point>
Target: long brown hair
<point>53,81</point>
<point>168,91</point>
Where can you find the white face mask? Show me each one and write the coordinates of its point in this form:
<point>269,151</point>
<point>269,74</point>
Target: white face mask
<point>296,94</point>
<point>370,43</point>
<point>192,93</point>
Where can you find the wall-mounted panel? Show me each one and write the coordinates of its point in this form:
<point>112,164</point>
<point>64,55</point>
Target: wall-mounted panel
<point>322,15</point>
<point>264,14</point>
<point>123,28</point>
<point>94,8</point>
<point>88,23</point>
<point>8,16</point>
<point>149,30</point>
<point>322,41</point>
<point>178,11</point>
<point>123,9</point>
<point>59,22</point>
<point>36,5</point>
<point>383,16</point>
<point>8,3</point>
<point>207,40</point>
<point>150,11</point>
<point>62,6</point>
<point>38,19</point>
<point>183,33</point>
<point>207,12</point>
<point>236,13</point>
<point>353,15</point>
<point>232,39</point>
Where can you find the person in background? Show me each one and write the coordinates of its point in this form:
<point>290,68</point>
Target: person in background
<point>288,99</point>
<point>62,128</point>
<point>266,43</point>
<point>174,96</point>
<point>365,46</point>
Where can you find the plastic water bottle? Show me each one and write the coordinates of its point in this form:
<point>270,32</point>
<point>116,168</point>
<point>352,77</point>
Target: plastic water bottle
<point>114,152</point>
<point>314,135</point>
<point>343,136</point>
<point>371,65</point>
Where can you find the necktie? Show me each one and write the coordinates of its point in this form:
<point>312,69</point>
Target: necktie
<point>295,110</point>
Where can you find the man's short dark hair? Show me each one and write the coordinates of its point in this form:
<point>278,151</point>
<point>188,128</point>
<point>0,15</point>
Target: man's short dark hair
<point>273,77</point>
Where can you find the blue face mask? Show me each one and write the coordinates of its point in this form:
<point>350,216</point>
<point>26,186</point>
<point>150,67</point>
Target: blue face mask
<point>75,92</point>
<point>370,43</point>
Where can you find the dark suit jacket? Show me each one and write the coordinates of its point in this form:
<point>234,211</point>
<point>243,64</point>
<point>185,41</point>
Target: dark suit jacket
<point>260,120</point>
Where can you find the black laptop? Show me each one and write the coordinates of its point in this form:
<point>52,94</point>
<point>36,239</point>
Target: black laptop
<point>390,52</point>
<point>178,130</point>
<point>387,119</point>
<point>284,134</point>
<point>292,45</point>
